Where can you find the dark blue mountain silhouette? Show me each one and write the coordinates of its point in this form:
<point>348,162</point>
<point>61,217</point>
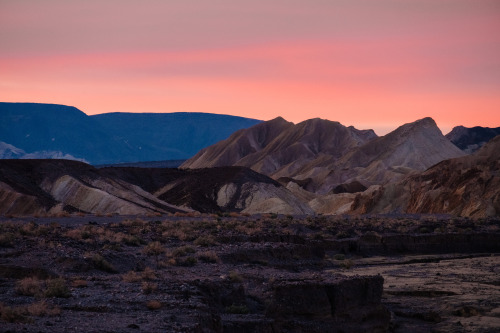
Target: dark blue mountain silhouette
<point>470,139</point>
<point>113,137</point>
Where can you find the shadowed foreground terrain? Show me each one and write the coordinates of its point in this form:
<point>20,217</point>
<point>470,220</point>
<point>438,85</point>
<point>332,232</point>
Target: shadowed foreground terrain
<point>238,273</point>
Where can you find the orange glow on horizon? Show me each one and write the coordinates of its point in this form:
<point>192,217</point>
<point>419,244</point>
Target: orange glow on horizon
<point>368,108</point>
<point>297,81</point>
<point>370,64</point>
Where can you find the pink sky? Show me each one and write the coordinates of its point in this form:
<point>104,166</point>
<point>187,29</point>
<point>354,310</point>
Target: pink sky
<point>371,64</point>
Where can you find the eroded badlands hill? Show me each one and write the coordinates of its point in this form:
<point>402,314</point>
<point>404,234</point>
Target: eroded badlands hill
<point>279,148</point>
<point>465,186</point>
<point>214,189</point>
<point>53,186</point>
<point>320,155</point>
<point>410,148</point>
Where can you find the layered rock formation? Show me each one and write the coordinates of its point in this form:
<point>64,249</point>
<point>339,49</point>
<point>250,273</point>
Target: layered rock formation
<point>278,148</point>
<point>40,186</point>
<point>318,167</point>
<point>321,155</point>
<point>214,189</point>
<point>412,147</point>
<point>53,186</point>
<point>465,186</point>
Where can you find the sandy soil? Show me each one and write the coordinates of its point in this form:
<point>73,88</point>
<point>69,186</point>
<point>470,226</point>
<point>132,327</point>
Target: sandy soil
<point>438,293</point>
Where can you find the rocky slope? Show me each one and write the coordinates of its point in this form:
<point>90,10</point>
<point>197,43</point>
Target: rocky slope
<point>278,148</point>
<point>470,139</point>
<point>214,189</point>
<point>323,156</point>
<point>112,137</point>
<point>465,186</point>
<point>53,186</point>
<point>412,147</point>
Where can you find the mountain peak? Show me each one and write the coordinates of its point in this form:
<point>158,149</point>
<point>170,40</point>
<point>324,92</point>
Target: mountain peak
<point>277,146</point>
<point>278,119</point>
<point>424,122</point>
<point>424,126</point>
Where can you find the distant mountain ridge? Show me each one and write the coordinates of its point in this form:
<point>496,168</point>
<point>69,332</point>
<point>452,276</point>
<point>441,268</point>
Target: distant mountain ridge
<point>112,137</point>
<point>470,139</point>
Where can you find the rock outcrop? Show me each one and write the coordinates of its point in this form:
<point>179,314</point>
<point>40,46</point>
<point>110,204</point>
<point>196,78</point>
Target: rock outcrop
<point>467,186</point>
<point>332,305</point>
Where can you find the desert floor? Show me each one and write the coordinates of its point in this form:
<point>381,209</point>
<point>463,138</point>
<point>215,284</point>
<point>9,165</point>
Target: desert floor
<point>224,273</point>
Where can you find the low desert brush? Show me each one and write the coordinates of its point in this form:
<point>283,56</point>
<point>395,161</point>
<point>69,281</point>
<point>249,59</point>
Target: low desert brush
<point>30,286</point>
<point>347,264</point>
<point>148,287</point>
<point>208,256</point>
<point>79,283</point>
<point>235,276</point>
<point>182,251</point>
<point>131,276</point>
<point>12,314</point>
<point>148,274</point>
<point>102,264</point>
<point>153,305</point>
<point>42,309</point>
<point>154,249</point>
<point>57,288</point>
<point>205,241</point>
<point>237,309</point>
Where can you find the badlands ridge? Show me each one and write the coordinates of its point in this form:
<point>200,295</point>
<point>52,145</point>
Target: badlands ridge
<point>317,166</point>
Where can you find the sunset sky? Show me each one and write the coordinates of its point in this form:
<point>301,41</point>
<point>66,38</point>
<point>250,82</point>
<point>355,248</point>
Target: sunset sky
<point>371,64</point>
